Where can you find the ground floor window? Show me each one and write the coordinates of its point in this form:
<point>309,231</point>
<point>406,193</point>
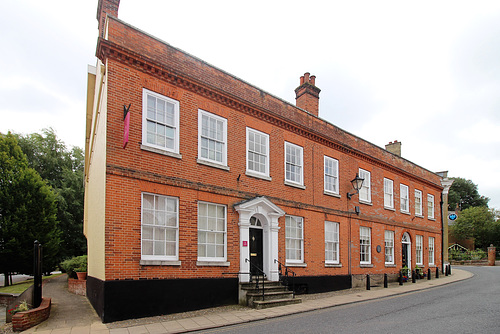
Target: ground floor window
<point>431,250</point>
<point>159,227</point>
<point>331,242</point>
<point>389,247</point>
<point>211,232</point>
<point>418,249</point>
<point>365,245</point>
<point>294,239</point>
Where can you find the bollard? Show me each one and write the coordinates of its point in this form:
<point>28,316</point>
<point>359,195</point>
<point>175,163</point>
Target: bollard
<point>437,272</point>
<point>385,280</point>
<point>367,282</point>
<point>449,269</point>
<point>400,278</point>
<point>429,274</point>
<point>445,270</point>
<point>413,276</point>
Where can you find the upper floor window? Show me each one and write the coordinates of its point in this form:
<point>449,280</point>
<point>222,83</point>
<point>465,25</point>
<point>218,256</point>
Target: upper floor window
<point>389,247</point>
<point>257,152</point>
<point>430,206</point>
<point>419,249</point>
<point>294,169</point>
<point>365,191</point>
<point>331,175</point>
<point>159,227</point>
<point>212,138</point>
<point>418,203</point>
<point>160,121</point>
<point>388,193</point>
<point>364,245</point>
<point>404,198</point>
<point>211,232</point>
<point>331,242</point>
<point>294,239</point>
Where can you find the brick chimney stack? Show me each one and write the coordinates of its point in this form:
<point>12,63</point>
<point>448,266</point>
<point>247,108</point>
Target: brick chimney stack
<point>394,148</point>
<point>307,94</point>
<point>106,7</point>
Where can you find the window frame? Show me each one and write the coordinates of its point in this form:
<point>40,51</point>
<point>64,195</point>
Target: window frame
<point>176,228</point>
<point>300,149</point>
<point>176,126</point>
<point>403,199</point>
<point>365,247</point>
<point>389,245</point>
<point>253,172</point>
<point>418,204</point>
<point>208,160</point>
<point>388,196</point>
<point>335,175</point>
<point>288,237</point>
<point>224,234</point>
<point>419,250</point>
<point>335,242</point>
<point>430,206</point>
<point>366,187</point>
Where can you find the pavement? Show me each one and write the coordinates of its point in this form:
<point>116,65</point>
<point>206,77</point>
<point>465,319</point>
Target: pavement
<point>73,314</point>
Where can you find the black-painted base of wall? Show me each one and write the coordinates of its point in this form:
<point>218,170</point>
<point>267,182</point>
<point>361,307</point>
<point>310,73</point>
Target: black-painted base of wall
<point>319,284</point>
<point>128,299</point>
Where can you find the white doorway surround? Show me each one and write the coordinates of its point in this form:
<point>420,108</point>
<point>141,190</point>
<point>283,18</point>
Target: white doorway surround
<point>268,214</point>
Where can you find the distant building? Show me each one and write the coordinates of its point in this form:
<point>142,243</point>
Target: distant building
<point>195,178</point>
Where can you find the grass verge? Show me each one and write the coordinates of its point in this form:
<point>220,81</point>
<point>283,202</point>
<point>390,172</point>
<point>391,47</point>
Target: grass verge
<point>18,288</point>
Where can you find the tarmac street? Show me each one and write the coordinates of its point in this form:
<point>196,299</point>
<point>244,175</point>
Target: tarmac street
<point>73,314</point>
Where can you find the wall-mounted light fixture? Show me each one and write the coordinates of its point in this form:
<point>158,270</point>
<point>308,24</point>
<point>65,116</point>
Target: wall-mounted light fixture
<point>357,182</point>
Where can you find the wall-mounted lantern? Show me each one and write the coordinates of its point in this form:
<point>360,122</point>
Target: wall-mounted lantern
<point>357,183</point>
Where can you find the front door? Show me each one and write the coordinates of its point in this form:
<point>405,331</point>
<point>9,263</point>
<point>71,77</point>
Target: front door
<point>405,255</point>
<point>256,251</point>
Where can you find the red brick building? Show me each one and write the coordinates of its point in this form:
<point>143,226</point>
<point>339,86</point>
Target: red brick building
<point>192,175</point>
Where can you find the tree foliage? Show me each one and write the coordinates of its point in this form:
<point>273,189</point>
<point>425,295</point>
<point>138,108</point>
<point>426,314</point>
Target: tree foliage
<point>28,212</point>
<point>464,194</point>
<point>477,223</point>
<point>63,170</point>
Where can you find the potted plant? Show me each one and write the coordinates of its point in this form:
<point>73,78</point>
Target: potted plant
<point>81,272</point>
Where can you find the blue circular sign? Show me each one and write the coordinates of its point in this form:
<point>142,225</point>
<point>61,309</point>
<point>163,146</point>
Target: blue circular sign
<point>452,216</point>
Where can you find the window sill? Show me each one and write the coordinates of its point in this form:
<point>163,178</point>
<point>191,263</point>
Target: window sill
<point>406,213</point>
<point>390,265</point>
<point>288,264</point>
<point>365,202</point>
<point>431,218</point>
<point>258,176</point>
<point>328,193</point>
<point>159,263</point>
<point>160,151</point>
<point>211,164</point>
<point>295,185</point>
<point>389,208</point>
<point>419,216</point>
<point>366,265</point>
<point>213,263</point>
<point>333,265</point>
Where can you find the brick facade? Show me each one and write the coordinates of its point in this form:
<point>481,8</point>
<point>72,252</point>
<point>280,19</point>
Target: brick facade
<point>133,62</point>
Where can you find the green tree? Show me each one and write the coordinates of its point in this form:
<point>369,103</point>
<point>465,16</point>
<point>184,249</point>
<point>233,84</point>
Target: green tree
<point>464,194</point>
<point>63,170</point>
<point>477,223</point>
<point>27,212</point>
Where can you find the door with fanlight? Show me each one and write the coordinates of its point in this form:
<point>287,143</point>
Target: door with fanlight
<point>256,246</point>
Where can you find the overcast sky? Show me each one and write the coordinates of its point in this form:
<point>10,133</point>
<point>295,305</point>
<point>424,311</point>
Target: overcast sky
<point>425,73</point>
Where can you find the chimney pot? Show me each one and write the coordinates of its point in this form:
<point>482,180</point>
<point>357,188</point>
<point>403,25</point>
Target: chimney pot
<point>307,94</point>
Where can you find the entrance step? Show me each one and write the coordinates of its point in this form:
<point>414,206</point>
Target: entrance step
<point>275,294</point>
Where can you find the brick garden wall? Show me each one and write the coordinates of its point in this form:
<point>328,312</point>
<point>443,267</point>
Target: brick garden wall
<point>25,320</point>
